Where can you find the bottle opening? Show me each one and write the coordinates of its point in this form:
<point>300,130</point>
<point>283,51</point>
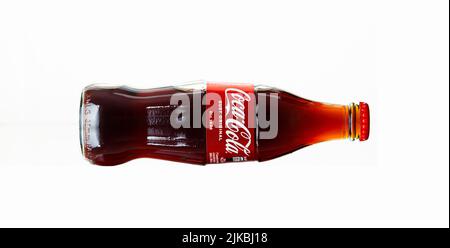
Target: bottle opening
<point>359,121</point>
<point>364,116</point>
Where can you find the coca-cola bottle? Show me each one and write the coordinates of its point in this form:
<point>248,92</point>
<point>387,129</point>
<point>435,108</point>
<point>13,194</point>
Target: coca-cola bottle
<point>208,123</point>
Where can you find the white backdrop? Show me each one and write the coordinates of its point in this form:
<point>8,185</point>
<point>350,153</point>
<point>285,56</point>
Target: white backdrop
<point>392,54</point>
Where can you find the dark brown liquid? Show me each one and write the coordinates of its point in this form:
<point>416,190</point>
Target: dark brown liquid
<point>302,123</point>
<point>134,124</point>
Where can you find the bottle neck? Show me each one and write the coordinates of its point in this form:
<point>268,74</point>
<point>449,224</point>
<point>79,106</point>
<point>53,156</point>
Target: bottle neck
<point>304,122</point>
<point>354,121</point>
<point>332,121</point>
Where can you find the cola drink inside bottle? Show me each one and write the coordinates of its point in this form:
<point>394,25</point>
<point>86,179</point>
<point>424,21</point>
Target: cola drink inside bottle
<point>208,122</point>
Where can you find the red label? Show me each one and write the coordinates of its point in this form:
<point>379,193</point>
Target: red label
<point>230,122</point>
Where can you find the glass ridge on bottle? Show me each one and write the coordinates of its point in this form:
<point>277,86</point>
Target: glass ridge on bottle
<point>182,124</point>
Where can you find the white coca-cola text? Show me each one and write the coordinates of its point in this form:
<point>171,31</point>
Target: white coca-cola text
<point>238,135</point>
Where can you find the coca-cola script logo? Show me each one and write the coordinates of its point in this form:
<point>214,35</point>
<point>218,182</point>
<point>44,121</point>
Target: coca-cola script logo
<point>239,137</point>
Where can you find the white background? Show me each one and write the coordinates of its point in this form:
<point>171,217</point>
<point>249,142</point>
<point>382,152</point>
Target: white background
<point>392,54</point>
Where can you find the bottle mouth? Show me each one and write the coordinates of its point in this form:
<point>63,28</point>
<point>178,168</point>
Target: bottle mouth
<point>364,117</point>
<point>359,121</point>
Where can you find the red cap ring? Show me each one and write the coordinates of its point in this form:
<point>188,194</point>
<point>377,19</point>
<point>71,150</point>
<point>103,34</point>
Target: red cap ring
<point>364,121</point>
